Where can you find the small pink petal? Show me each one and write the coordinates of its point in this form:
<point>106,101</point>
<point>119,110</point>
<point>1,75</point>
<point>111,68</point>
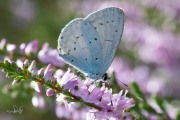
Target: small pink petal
<point>10,47</point>
<point>49,92</point>
<point>47,75</point>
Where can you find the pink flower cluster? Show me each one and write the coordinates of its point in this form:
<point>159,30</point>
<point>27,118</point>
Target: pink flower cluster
<point>104,104</point>
<point>49,55</point>
<point>107,105</point>
<point>45,55</point>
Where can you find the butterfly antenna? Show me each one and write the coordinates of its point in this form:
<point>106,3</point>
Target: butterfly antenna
<point>123,84</point>
<point>120,82</point>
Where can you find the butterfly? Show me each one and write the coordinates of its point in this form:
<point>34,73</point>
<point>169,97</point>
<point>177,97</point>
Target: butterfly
<point>89,44</point>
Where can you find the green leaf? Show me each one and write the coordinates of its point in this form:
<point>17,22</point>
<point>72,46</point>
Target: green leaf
<point>11,74</point>
<point>19,78</point>
<point>159,102</point>
<point>146,107</point>
<point>136,91</point>
<point>178,115</point>
<point>1,65</point>
<point>14,65</point>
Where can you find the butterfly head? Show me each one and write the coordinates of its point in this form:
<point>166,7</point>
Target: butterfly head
<point>105,77</point>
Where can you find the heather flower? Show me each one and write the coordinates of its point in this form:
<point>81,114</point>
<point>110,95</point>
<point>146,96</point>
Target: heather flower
<point>58,74</point>
<point>38,88</point>
<point>49,92</point>
<point>66,77</point>
<point>70,84</point>
<point>19,63</point>
<point>34,72</point>
<point>112,105</point>
<point>74,113</point>
<point>32,47</point>
<point>117,103</point>
<point>49,55</point>
<point>49,67</point>
<point>10,47</point>
<point>32,66</point>
<point>22,48</point>
<point>2,44</point>
<point>38,101</point>
<point>26,63</point>
<point>62,99</point>
<point>48,73</point>
<point>61,112</point>
<point>41,72</point>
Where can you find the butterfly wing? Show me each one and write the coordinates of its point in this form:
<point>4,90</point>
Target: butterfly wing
<point>109,24</point>
<point>77,48</point>
<point>90,44</point>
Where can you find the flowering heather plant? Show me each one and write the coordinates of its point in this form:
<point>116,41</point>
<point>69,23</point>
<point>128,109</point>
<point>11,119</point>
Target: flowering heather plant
<point>98,101</point>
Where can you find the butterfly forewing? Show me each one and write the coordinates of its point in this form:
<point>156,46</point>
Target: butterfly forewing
<point>109,25</point>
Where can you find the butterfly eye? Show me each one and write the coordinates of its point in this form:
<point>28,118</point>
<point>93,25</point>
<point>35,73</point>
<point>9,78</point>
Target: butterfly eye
<point>105,76</point>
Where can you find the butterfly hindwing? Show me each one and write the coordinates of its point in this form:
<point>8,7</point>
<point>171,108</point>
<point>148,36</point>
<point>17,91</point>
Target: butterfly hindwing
<point>78,49</point>
<point>72,47</point>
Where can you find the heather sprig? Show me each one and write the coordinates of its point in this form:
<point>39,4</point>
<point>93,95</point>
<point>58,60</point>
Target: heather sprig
<point>30,51</point>
<point>69,88</point>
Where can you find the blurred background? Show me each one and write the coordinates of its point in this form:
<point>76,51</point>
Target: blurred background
<point>149,52</point>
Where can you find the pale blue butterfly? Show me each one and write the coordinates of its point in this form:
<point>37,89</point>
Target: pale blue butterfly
<point>89,44</point>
